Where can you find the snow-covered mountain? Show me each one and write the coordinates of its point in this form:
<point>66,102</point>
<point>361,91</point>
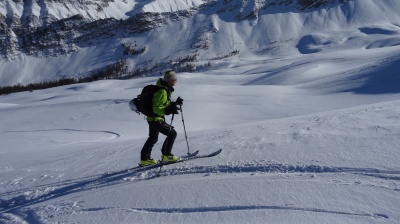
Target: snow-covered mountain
<point>303,97</point>
<point>45,39</point>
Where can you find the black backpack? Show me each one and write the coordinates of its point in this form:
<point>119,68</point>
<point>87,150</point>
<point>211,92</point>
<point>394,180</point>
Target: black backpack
<point>143,103</point>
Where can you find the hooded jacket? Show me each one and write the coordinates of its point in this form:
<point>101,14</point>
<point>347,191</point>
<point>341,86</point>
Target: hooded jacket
<point>161,100</point>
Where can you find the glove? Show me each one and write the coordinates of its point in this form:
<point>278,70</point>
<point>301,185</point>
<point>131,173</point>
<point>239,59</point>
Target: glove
<point>179,101</point>
<point>171,109</point>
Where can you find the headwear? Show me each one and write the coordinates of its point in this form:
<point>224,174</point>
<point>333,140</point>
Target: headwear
<point>170,75</point>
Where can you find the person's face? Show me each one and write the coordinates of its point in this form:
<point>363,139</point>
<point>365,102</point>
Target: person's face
<point>172,83</point>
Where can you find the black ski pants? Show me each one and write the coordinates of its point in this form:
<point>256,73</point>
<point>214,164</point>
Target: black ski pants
<point>156,127</point>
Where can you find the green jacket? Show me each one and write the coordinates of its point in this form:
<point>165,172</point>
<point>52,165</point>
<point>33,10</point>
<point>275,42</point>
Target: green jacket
<point>161,100</point>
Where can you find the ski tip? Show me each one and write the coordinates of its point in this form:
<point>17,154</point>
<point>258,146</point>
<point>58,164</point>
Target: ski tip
<point>215,153</point>
<point>193,154</point>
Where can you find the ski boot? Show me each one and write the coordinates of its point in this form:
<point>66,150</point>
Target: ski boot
<point>169,159</point>
<point>148,162</point>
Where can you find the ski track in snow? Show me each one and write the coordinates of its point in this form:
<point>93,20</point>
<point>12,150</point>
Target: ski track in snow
<point>283,168</point>
<point>35,195</point>
<point>251,207</point>
<point>109,134</point>
<point>233,208</point>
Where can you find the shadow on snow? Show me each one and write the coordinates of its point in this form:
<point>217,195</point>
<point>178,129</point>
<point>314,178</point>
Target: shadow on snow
<point>384,79</point>
<point>47,192</point>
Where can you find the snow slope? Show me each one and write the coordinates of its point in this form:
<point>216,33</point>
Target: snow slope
<point>50,10</point>
<point>93,10</point>
<point>306,139</point>
<point>211,32</point>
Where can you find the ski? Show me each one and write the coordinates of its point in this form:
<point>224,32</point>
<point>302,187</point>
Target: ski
<point>201,156</point>
<point>144,168</point>
<point>185,158</point>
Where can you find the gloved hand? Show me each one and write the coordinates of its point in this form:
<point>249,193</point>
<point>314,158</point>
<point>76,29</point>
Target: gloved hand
<point>179,101</point>
<point>171,109</point>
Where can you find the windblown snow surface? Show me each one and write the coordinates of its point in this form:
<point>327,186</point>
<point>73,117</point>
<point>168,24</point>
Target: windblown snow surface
<point>305,140</point>
<point>312,137</point>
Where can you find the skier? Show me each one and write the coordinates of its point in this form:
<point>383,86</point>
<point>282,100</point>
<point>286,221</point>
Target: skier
<point>162,105</point>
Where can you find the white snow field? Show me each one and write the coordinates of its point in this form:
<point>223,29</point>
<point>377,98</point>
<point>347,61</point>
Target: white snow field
<point>312,139</point>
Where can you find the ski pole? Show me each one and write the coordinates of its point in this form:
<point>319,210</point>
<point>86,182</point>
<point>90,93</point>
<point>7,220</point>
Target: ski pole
<point>184,128</point>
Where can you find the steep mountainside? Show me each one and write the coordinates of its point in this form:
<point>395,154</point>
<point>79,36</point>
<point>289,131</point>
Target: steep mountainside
<point>46,39</point>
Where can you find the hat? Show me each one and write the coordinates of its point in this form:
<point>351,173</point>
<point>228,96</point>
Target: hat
<point>170,75</point>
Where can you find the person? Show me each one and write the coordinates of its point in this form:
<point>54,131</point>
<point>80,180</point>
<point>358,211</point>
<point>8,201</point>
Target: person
<point>162,106</point>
